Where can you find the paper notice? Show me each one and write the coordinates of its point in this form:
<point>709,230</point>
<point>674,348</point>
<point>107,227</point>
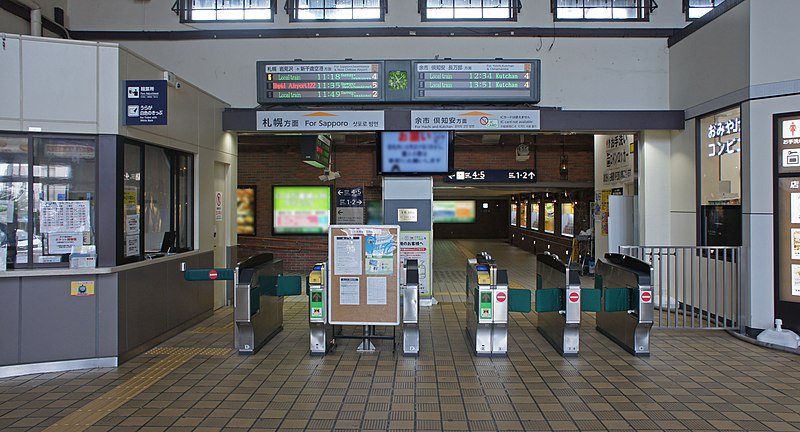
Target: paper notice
<point>796,279</point>
<point>376,290</point>
<point>349,291</point>
<point>795,207</point>
<point>795,244</point>
<point>347,255</point>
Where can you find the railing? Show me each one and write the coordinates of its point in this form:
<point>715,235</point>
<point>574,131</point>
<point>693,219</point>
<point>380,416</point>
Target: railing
<point>694,287</point>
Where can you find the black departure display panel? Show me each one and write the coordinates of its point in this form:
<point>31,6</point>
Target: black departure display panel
<point>476,81</point>
<point>320,82</point>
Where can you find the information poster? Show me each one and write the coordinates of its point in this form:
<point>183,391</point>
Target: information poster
<point>535,216</point>
<point>567,219</point>
<point>416,245</point>
<point>246,210</point>
<point>550,217</point>
<point>364,274</point>
<point>64,216</point>
<point>523,215</point>
<point>513,214</point>
<point>58,244</point>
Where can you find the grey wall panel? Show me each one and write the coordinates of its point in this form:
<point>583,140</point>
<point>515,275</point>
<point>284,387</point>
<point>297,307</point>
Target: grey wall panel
<point>423,207</point>
<point>107,315</point>
<point>146,308</point>
<point>56,325</point>
<point>122,312</point>
<point>9,321</point>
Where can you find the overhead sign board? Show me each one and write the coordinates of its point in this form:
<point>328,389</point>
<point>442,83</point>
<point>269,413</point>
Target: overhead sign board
<point>350,197</point>
<point>476,81</point>
<point>145,102</point>
<point>319,121</point>
<point>303,82</point>
<point>475,120</point>
<point>492,176</point>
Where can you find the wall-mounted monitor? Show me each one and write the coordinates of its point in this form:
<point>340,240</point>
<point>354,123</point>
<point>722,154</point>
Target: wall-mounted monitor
<point>415,153</point>
<point>301,209</point>
<point>454,211</point>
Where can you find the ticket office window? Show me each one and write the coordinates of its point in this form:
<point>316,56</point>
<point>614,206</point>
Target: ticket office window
<point>47,199</point>
<point>720,186</point>
<point>158,202</point>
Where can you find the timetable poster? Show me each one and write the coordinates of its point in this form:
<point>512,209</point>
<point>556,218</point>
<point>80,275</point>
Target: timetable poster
<point>64,216</point>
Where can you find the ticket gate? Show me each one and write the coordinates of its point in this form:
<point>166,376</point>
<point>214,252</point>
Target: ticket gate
<point>321,332</point>
<point>259,288</point>
<point>559,302</point>
<point>627,302</point>
<point>486,306</point>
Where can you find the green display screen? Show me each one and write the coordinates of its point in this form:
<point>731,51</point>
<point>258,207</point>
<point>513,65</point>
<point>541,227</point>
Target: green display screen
<point>301,209</point>
<point>454,211</point>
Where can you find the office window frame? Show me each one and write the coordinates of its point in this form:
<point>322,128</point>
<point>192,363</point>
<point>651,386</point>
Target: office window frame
<point>185,11</point>
<point>178,161</point>
<point>687,8</point>
<point>292,8</point>
<point>514,6</point>
<point>643,7</point>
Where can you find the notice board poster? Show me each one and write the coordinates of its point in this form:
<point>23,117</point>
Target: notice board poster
<point>364,274</point>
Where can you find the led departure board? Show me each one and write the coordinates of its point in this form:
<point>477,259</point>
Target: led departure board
<point>321,82</point>
<point>474,81</point>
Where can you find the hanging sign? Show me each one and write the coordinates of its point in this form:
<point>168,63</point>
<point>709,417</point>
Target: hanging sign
<point>475,120</point>
<point>319,121</point>
<point>146,102</point>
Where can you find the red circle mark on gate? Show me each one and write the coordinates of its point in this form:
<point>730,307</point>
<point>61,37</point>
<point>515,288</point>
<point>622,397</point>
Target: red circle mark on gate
<point>212,274</point>
<point>501,297</point>
<point>646,297</point>
<point>574,297</point>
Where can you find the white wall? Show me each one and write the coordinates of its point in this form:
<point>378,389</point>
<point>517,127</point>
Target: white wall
<point>773,37</point>
<point>610,74</point>
<point>58,86</point>
<point>711,62</point>
<point>10,23</point>
<point>682,189</point>
<point>655,188</point>
<point>156,15</point>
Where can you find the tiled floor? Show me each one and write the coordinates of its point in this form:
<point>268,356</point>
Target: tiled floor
<point>699,380</point>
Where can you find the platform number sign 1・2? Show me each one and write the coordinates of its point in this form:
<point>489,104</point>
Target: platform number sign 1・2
<point>146,102</point>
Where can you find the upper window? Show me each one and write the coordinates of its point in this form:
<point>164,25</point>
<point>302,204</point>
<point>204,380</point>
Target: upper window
<point>631,10</point>
<point>336,10</point>
<point>503,10</point>
<point>226,10</point>
<point>697,8</point>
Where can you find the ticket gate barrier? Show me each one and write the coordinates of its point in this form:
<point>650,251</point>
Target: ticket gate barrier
<point>259,288</point>
<point>321,332</point>
<point>559,303</point>
<point>489,300</point>
<point>627,302</point>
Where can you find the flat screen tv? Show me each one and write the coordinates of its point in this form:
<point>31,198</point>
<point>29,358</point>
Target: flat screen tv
<point>301,209</point>
<point>415,153</point>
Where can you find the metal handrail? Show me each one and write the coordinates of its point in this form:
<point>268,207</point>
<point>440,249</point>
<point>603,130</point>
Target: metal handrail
<point>694,287</point>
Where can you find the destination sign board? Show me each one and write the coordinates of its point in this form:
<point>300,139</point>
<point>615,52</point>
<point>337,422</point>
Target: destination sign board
<point>301,82</point>
<point>485,81</point>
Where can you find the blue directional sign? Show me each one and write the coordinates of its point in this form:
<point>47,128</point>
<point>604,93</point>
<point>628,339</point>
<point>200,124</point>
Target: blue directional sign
<point>145,102</point>
<point>350,197</point>
<point>492,176</point>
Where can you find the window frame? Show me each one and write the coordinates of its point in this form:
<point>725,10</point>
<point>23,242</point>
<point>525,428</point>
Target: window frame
<point>515,7</point>
<point>172,155</point>
<point>646,7</point>
<point>291,8</point>
<point>184,10</point>
<point>687,8</point>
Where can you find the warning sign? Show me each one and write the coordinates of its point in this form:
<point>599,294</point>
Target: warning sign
<point>647,297</point>
<point>574,297</point>
<point>501,297</point>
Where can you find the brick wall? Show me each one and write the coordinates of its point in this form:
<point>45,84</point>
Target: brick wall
<point>265,161</point>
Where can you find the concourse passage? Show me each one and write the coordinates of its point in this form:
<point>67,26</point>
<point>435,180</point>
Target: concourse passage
<point>693,380</point>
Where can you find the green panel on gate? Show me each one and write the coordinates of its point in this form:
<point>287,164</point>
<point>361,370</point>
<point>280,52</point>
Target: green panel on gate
<point>550,300</point>
<point>203,274</point>
<point>616,299</point>
<point>590,300</point>
<point>280,286</point>
<point>289,285</point>
<point>519,300</point>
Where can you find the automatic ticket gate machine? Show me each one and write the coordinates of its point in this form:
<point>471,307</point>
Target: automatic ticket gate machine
<point>487,306</point>
<point>559,302</point>
<point>627,302</point>
<point>320,329</point>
